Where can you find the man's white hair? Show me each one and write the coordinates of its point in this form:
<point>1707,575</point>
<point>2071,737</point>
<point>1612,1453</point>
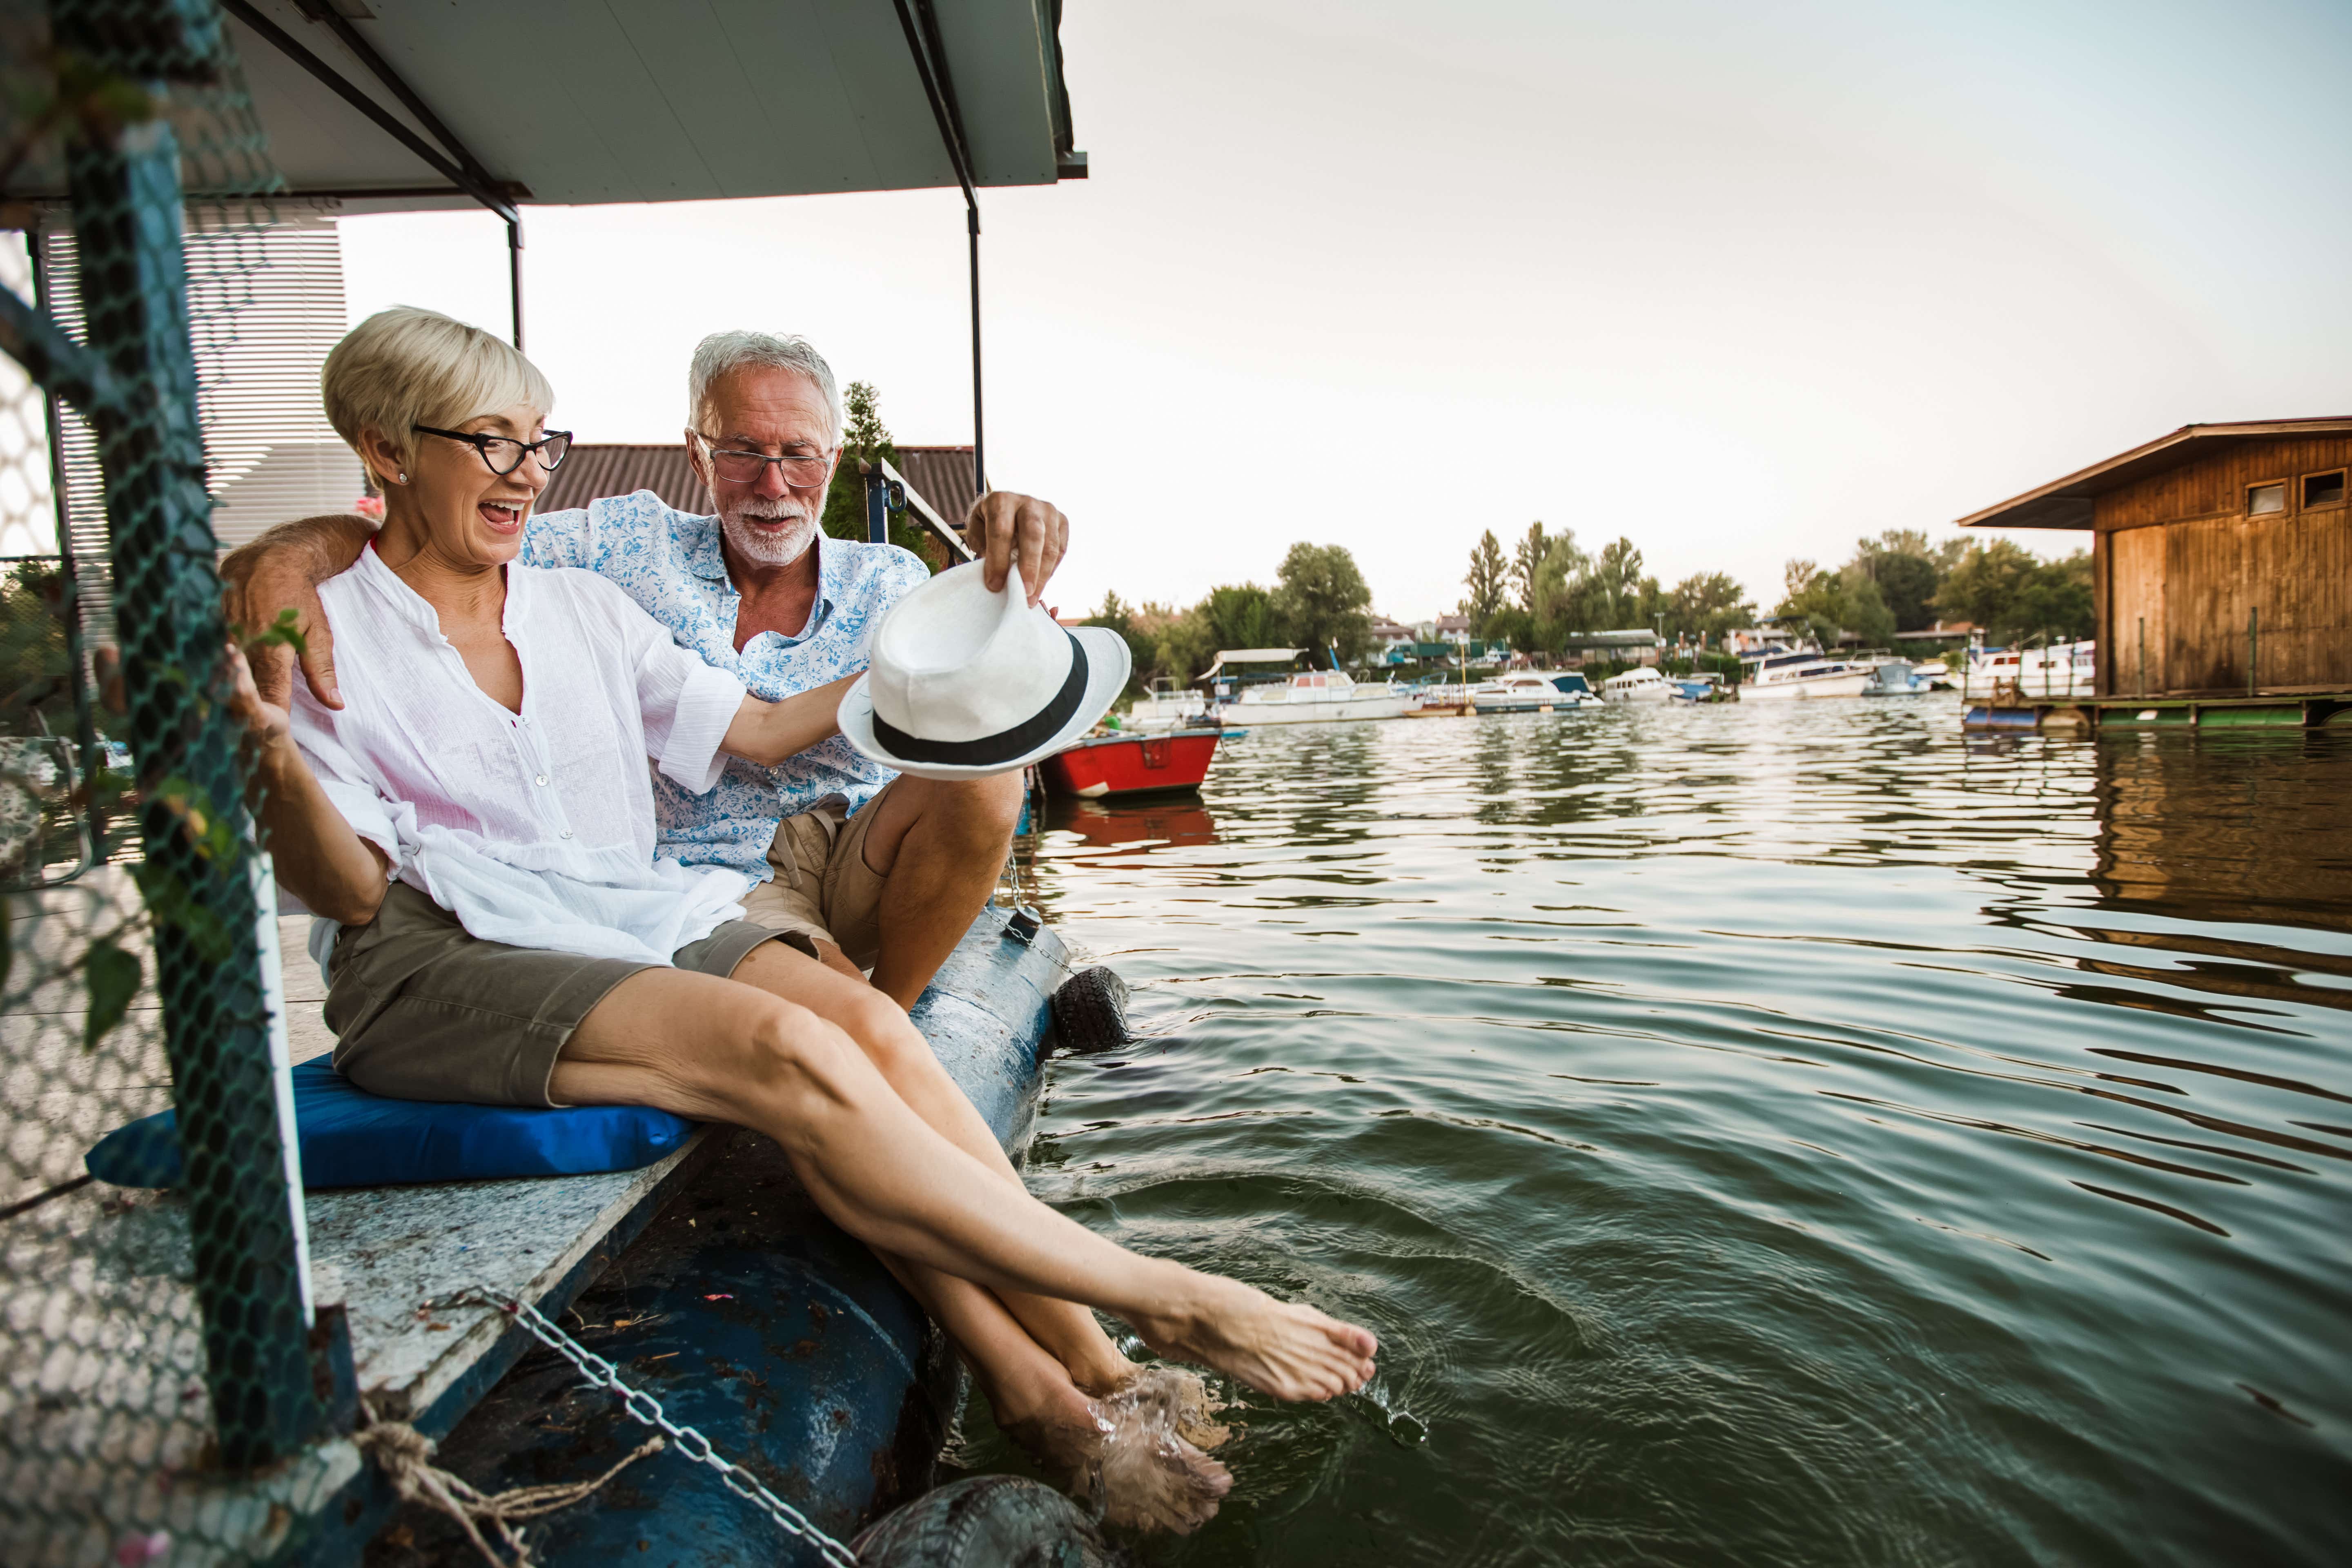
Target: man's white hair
<point>720,352</point>
<point>406,366</point>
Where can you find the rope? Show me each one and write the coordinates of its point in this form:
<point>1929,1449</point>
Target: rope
<point>405,1455</point>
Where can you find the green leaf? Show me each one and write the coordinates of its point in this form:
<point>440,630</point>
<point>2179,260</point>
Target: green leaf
<point>113,982</point>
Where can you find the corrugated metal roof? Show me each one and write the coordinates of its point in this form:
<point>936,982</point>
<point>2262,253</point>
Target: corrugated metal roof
<point>592,472</point>
<point>944,474</point>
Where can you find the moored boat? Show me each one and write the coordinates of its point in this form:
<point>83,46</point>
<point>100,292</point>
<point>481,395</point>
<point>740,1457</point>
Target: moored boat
<point>1895,677</point>
<point>1316,697</point>
<point>1792,675</point>
<point>1119,765</point>
<point>1168,706</point>
<point>2009,674</point>
<point>1533,692</point>
<point>1643,684</point>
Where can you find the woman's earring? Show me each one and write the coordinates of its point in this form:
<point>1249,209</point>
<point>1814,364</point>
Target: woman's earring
<point>401,477</point>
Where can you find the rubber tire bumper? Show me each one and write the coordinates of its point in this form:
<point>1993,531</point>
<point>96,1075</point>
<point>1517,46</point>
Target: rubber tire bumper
<point>1090,1011</point>
<point>986,1521</point>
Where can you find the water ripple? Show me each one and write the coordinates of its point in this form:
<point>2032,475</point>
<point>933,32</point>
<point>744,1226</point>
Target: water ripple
<point>1695,1101</point>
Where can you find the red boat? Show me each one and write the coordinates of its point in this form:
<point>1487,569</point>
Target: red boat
<point>1132,765</point>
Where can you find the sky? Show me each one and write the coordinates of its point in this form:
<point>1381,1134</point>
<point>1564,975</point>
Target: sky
<point>1739,281</point>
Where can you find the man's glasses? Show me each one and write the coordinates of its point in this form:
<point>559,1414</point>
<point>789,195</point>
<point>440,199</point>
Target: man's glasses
<point>800,471</point>
<point>504,454</point>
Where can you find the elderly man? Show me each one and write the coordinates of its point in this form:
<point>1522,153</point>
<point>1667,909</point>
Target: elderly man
<point>874,870</point>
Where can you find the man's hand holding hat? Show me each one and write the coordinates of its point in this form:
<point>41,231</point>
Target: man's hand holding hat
<point>1004,529</point>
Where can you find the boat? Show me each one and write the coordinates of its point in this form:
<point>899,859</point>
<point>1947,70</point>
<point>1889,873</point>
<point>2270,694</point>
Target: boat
<point>1122,764</point>
<point>1316,697</point>
<point>1168,706</point>
<point>1701,686</point>
<point>1533,692</point>
<point>1643,684</point>
<point>1896,678</point>
<point>2056,673</point>
<point>1789,675</point>
<point>1439,699</point>
<point>1937,674</point>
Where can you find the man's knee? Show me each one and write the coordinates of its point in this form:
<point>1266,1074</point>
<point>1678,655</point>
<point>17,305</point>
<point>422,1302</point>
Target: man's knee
<point>889,1037</point>
<point>987,809</point>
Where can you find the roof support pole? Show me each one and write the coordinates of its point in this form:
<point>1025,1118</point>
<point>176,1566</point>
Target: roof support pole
<point>514,274</point>
<point>931,66</point>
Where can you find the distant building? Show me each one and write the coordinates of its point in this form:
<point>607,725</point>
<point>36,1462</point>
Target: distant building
<point>2222,558</point>
<point>1387,636</point>
<point>1635,644</point>
<point>1943,634</point>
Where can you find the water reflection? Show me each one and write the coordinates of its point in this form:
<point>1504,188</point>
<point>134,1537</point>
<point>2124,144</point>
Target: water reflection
<point>1177,820</point>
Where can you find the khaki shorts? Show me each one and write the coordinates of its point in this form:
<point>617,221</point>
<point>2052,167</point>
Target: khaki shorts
<point>423,1010</point>
<point>823,886</point>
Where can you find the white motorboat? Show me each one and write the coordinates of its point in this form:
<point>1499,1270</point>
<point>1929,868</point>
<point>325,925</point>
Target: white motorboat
<point>2058,673</point>
<point>1640,685</point>
<point>1533,692</point>
<point>1896,678</point>
<point>1787,676</point>
<point>1316,697</point>
<point>1166,706</point>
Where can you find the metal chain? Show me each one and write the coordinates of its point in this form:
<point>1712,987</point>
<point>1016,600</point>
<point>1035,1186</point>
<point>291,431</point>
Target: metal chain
<point>644,1407</point>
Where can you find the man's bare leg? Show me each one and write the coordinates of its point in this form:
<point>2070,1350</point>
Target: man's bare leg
<point>939,847</point>
<point>717,1050</point>
<point>905,1062</point>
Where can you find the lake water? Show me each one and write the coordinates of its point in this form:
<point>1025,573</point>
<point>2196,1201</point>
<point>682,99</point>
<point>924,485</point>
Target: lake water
<point>1763,1133</point>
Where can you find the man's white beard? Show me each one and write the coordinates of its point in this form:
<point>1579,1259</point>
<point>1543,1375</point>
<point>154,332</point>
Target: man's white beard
<point>769,549</point>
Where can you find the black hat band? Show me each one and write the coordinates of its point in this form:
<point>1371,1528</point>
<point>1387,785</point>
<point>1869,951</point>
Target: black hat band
<point>1005,745</point>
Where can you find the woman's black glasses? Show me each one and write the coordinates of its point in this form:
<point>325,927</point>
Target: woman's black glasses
<point>504,454</point>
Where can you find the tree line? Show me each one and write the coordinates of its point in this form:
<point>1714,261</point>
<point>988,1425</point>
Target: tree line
<point>1320,602</point>
<point>1548,589</point>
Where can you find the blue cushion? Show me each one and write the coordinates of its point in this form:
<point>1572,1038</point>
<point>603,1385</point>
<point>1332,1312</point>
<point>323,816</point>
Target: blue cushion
<point>353,1139</point>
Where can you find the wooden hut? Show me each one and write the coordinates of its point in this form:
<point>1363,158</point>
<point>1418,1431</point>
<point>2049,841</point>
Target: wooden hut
<point>2221,569</point>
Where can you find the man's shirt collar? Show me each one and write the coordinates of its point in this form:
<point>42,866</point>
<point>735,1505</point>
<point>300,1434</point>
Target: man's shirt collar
<point>706,559</point>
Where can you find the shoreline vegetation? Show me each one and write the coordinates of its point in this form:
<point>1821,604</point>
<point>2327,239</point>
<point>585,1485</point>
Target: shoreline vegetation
<point>1548,590</point>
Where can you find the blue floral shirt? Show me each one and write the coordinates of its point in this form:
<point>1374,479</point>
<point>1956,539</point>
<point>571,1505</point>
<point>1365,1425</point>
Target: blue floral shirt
<point>669,562</point>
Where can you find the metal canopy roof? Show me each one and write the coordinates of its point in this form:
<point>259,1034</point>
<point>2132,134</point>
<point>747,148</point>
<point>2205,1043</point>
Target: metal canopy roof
<point>652,100</point>
<point>2067,502</point>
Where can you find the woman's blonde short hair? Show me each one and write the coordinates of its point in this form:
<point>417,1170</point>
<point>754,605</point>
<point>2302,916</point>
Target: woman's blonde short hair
<point>407,366</point>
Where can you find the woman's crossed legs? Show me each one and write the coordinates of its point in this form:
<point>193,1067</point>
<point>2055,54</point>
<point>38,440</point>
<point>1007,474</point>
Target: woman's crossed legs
<point>893,1151</point>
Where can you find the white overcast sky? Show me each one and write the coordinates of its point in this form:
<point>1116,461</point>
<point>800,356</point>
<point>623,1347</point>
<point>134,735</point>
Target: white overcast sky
<point>1741,281</point>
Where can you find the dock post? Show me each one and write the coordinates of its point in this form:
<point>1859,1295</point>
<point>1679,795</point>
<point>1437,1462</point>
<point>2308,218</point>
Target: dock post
<point>2142,655</point>
<point>2254,649</point>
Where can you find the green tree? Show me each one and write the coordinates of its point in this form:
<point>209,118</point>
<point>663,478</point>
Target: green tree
<point>1908,570</point>
<point>1527,560</point>
<point>1708,604</point>
<point>1488,581</point>
<point>865,439</point>
<point>1243,615</point>
<point>1142,648</point>
<point>1835,606</point>
<point>1324,602</point>
<point>2013,595</point>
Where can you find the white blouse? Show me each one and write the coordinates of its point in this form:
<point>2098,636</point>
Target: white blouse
<point>533,828</point>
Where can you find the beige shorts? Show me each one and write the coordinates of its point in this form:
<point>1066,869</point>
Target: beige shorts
<point>422,1009</point>
<point>823,889</point>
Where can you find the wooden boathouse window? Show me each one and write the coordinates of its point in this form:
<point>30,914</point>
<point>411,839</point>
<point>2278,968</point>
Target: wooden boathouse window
<point>2322,490</point>
<point>2262,499</point>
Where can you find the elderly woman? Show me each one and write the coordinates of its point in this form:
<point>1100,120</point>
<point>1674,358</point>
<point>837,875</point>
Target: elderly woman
<point>479,823</point>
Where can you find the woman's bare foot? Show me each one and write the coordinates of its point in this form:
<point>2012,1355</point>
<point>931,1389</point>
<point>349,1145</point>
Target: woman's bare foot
<point>1151,1476</point>
<point>1191,1403</point>
<point>1285,1349</point>
<point>1127,1450</point>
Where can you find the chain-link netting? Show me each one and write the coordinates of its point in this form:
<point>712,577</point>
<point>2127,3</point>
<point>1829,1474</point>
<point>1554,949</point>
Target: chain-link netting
<point>156,1380</point>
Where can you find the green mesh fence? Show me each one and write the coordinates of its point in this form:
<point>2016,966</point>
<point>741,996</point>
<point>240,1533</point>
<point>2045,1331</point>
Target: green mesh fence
<point>161,1384</point>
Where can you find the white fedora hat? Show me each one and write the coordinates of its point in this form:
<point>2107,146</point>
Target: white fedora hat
<point>962,683</point>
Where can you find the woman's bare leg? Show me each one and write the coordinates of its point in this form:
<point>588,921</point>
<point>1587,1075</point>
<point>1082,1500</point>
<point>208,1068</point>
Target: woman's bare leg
<point>898,1051</point>
<point>719,1051</point>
